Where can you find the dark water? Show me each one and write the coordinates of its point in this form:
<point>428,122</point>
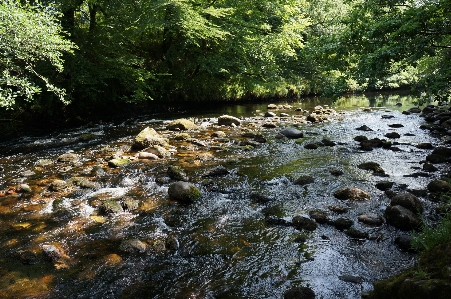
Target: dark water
<point>225,248</point>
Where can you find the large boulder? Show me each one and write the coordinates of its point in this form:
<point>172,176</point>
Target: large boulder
<point>147,138</point>
<point>439,186</point>
<point>352,194</point>
<point>402,218</point>
<point>181,124</point>
<point>227,120</point>
<point>184,192</point>
<point>408,201</point>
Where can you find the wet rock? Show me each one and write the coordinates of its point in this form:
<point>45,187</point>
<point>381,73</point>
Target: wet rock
<point>184,192</point>
<point>27,257</point>
<point>327,142</point>
<point>439,155</point>
<point>177,173</point>
<point>269,125</point>
<point>315,118</point>
<point>439,186</point>
<point>147,156</point>
<point>119,162</point>
<point>172,243</point>
<point>284,114</point>
<point>292,133</point>
<point>62,214</point>
<point>270,114</point>
<point>351,278</point>
<point>56,254</point>
<point>343,223</point>
<point>372,166</point>
<point>299,293</point>
<point>218,134</point>
<point>402,218</point>
<point>227,120</point>
<point>130,204</point>
<point>415,110</point>
<point>68,158</point>
<point>311,146</point>
<point>83,182</point>
<point>425,146</point>
<point>393,135</point>
<point>217,171</point>
<point>384,185</point>
<point>159,151</point>
<point>23,188</point>
<point>360,138</point>
<point>351,194</point>
<point>338,209</point>
<point>396,125</point>
<point>304,180</point>
<point>97,171</point>
<point>182,137</point>
<point>319,216</point>
<point>404,242</point>
<point>386,116</point>
<point>57,185</point>
<point>435,159</point>
<point>371,219</point>
<point>356,234</point>
<point>272,106</point>
<point>408,201</point>
<point>133,246</point>
<point>260,198</point>
<point>429,167</point>
<point>364,128</point>
<point>147,138</point>
<point>304,223</point>
<point>273,220</point>
<point>371,143</point>
<point>336,172</point>
<point>182,124</point>
<point>111,207</point>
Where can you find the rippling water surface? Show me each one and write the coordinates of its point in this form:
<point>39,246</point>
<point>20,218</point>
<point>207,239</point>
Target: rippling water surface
<point>221,245</point>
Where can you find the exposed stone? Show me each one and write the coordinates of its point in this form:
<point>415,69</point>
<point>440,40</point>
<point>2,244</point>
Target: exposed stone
<point>260,198</point>
<point>299,293</point>
<point>182,137</point>
<point>270,114</point>
<point>68,158</point>
<point>304,223</point>
<point>111,207</point>
<point>311,146</point>
<point>120,162</point>
<point>384,185</point>
<point>372,166</point>
<point>184,192</point>
<point>292,133</point>
<point>147,138</point>
<point>364,128</point>
<point>159,151</point>
<point>371,219</point>
<point>404,242</point>
<point>130,204</point>
<point>396,125</point>
<point>356,234</point>
<point>439,186</point>
<point>352,194</point>
<point>408,201</point>
<point>343,223</point>
<point>133,246</point>
<point>392,135</point>
<point>147,156</point>
<point>360,138</point>
<point>177,173</point>
<point>424,146</point>
<point>338,209</point>
<point>429,167</point>
<point>217,171</point>
<point>218,134</point>
<point>181,124</point>
<point>23,188</point>
<point>319,216</point>
<point>227,120</point>
<point>402,218</point>
<point>336,172</point>
<point>57,185</point>
<point>327,142</point>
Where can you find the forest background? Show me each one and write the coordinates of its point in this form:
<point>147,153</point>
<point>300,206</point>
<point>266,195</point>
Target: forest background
<point>89,57</point>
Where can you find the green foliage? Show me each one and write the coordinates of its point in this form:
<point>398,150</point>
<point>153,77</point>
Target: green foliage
<point>29,38</point>
<point>432,236</point>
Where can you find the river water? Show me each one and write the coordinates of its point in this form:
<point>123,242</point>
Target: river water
<point>220,246</point>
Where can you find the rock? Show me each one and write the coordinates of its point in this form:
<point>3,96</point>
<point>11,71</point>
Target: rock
<point>442,151</point>
<point>57,185</point>
<point>23,188</point>
<point>435,159</point>
<point>97,171</point>
<point>336,172</point>
<point>327,142</point>
<point>429,167</point>
<point>439,186</point>
<point>269,125</point>
<point>184,192</point>
<point>304,223</point>
<point>182,137</point>
<point>315,118</point>
<point>396,125</point>
<point>227,120</point>
<point>159,151</point>
<point>372,166</point>
<point>385,116</point>
<point>177,173</point>
<point>425,146</point>
<point>27,257</point>
<point>408,201</point>
<point>404,242</point>
<point>371,219</point>
<point>299,293</point>
<point>272,106</point>
<point>371,143</point>
<point>111,207</point>
<point>284,115</point>
<point>364,128</point>
<point>402,218</point>
<point>147,138</point>
<point>147,156</point>
<point>351,278</point>
<point>360,138</point>
<point>356,234</point>
<point>311,146</point>
<point>343,223</point>
<point>83,182</point>
<point>218,134</point>
<point>292,133</point>
<point>54,253</point>
<point>130,204</point>
<point>182,124</point>
<point>270,114</point>
<point>273,220</point>
<point>392,135</point>
<point>304,180</point>
<point>319,216</point>
<point>415,110</point>
<point>68,158</point>
<point>133,246</point>
<point>172,243</point>
<point>217,171</point>
<point>384,185</point>
<point>260,198</point>
<point>338,209</point>
<point>352,194</point>
<point>119,162</point>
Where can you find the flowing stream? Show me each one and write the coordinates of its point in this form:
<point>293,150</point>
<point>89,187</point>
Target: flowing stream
<point>221,246</point>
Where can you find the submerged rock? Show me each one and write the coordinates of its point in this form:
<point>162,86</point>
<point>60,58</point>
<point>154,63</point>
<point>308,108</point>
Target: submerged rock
<point>57,185</point>
<point>184,192</point>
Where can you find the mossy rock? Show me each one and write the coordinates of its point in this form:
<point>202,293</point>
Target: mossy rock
<point>111,207</point>
<point>184,192</point>
<point>118,162</point>
<point>352,194</point>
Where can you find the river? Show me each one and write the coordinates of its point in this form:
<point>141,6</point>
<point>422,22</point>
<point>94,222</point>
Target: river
<point>221,246</point>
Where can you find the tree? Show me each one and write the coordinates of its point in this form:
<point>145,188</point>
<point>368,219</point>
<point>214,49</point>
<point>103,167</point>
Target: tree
<point>30,38</point>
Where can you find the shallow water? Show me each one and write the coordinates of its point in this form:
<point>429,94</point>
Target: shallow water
<point>225,247</point>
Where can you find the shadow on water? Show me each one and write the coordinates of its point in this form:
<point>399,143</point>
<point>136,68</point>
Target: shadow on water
<point>221,246</point>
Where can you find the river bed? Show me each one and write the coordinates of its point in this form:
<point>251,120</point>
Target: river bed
<point>221,246</point>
